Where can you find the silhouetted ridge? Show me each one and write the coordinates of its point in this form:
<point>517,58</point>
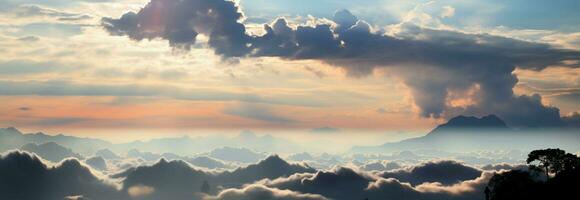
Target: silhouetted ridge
<point>10,131</point>
<point>470,122</point>
<point>50,151</point>
<point>457,134</point>
<point>275,164</point>
<point>273,160</point>
<point>474,122</point>
<point>271,167</point>
<point>25,177</point>
<point>107,154</point>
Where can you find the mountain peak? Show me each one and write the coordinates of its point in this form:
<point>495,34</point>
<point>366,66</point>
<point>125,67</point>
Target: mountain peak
<point>274,160</point>
<point>471,122</point>
<point>10,130</point>
<point>489,121</point>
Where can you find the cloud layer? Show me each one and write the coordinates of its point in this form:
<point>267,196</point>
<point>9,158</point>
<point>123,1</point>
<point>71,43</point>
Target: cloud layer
<point>272,178</point>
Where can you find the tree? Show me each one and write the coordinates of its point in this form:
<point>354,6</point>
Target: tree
<point>550,160</point>
<point>520,184</point>
<point>512,185</point>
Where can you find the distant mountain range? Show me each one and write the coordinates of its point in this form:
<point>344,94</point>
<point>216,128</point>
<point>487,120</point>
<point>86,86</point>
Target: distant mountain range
<point>466,133</point>
<point>12,138</point>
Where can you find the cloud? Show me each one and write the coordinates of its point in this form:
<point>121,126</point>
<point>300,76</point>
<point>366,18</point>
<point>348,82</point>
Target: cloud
<point>448,11</point>
<point>36,10</point>
<point>68,88</point>
<point>435,64</point>
<point>140,191</point>
<point>504,166</point>
<point>29,38</point>
<point>445,172</point>
<point>24,108</point>
<point>572,120</point>
<point>345,183</point>
<point>26,67</point>
<point>236,154</point>
<point>260,192</point>
<point>208,162</point>
<point>325,129</point>
<point>271,178</point>
<point>256,112</point>
<point>180,22</point>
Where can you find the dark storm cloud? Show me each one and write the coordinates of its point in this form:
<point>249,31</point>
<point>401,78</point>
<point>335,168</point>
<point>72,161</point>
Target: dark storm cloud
<point>445,172</point>
<point>181,21</point>
<point>572,120</point>
<point>25,177</point>
<point>433,63</point>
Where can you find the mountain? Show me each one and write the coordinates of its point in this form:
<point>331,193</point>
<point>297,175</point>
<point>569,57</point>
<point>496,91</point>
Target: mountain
<point>107,154</point>
<point>208,162</point>
<point>271,167</point>
<point>468,133</point>
<point>177,179</point>
<point>458,134</point>
<point>51,151</point>
<point>231,154</point>
<point>26,177</point>
<point>187,145</point>
<point>470,124</point>
<point>97,162</point>
<point>12,138</point>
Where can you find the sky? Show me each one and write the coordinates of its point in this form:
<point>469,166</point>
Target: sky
<point>102,67</point>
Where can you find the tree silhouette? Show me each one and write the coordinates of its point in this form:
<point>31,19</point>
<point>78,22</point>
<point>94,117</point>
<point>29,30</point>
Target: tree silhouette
<point>523,184</point>
<point>550,160</point>
<point>512,185</point>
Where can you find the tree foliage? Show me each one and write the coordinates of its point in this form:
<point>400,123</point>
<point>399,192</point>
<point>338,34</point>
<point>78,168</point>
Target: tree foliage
<point>524,184</point>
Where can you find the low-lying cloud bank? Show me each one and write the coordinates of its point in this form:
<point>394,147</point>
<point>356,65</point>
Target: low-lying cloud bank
<point>345,183</point>
<point>438,66</point>
<point>271,178</point>
<point>446,172</point>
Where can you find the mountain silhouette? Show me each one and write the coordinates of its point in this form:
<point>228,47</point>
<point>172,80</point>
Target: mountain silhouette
<point>459,133</point>
<point>464,124</point>
<point>51,151</point>
<point>12,138</point>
